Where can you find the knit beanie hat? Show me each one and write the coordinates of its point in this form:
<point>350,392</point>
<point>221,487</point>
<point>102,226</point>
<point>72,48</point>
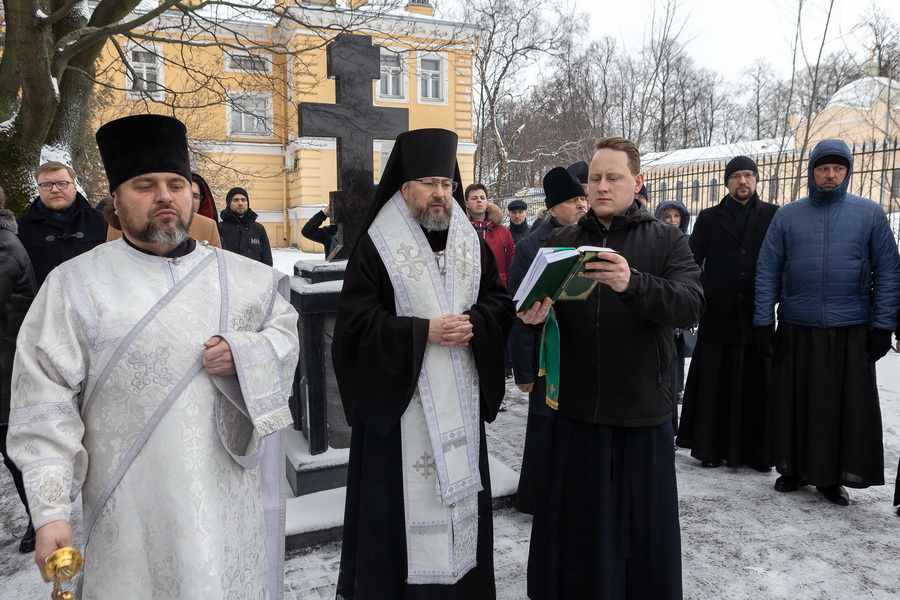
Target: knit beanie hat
<point>831,159</point>
<point>235,191</point>
<point>740,163</point>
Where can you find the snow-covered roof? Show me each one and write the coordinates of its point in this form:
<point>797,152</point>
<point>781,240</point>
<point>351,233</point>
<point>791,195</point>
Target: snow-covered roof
<point>864,93</point>
<point>686,156</point>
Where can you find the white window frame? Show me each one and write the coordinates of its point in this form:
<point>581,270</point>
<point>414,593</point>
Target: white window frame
<point>237,95</point>
<point>402,77</point>
<point>440,77</point>
<point>139,69</point>
<point>230,55</point>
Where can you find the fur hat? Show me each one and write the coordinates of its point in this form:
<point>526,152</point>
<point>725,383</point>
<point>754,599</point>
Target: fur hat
<point>142,144</point>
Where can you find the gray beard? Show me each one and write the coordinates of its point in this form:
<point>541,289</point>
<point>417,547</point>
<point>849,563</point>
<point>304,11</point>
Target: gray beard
<point>152,234</point>
<point>431,222</point>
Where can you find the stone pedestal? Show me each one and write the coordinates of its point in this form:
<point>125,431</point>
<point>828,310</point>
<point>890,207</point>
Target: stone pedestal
<point>316,402</point>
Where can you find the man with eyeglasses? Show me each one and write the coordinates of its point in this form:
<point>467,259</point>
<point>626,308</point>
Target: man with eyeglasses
<point>418,354</point>
<point>566,203</point>
<point>724,412</point>
<point>60,224</point>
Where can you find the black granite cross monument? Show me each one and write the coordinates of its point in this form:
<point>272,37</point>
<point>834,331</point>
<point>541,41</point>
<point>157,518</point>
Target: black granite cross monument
<point>353,62</point>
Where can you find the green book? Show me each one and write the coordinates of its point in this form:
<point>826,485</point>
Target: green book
<point>558,273</point>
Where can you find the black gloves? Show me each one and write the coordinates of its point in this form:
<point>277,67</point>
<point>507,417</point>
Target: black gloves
<point>764,338</point>
<point>878,344</point>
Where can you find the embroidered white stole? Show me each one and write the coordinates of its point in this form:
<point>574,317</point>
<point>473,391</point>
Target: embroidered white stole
<point>440,428</point>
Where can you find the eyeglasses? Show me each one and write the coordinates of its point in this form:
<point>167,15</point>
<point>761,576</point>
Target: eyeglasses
<point>446,185</point>
<point>748,175</point>
<point>60,185</point>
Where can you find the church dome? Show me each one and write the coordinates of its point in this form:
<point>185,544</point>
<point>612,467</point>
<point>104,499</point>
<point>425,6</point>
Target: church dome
<point>864,93</point>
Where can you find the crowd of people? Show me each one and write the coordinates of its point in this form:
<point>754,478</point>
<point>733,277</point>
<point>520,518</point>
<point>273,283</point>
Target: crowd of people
<point>159,349</point>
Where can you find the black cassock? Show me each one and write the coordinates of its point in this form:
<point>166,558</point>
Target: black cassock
<point>377,359</point>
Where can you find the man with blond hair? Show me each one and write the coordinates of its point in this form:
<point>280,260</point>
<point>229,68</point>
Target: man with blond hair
<point>60,224</point>
<point>607,524</point>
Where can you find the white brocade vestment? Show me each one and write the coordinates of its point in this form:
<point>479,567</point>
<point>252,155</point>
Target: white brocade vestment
<point>110,399</point>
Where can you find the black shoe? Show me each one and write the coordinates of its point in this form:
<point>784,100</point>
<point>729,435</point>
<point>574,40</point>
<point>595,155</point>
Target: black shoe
<point>898,511</point>
<point>836,494</point>
<point>26,546</point>
<point>788,483</point>
<point>711,464</point>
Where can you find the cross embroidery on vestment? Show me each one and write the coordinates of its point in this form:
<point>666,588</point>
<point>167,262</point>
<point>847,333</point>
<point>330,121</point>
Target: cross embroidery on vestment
<point>412,259</point>
<point>425,465</point>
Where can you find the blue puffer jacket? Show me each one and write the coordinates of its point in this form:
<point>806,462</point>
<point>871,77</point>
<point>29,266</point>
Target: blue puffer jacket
<point>829,259</point>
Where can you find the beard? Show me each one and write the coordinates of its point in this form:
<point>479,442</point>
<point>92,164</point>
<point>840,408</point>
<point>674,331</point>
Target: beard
<point>150,233</point>
<point>432,221</point>
<point>742,194</point>
<point>172,236</point>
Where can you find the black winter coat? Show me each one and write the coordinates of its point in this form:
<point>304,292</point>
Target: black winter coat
<point>617,351</point>
<point>313,230</point>
<point>50,243</point>
<point>729,269</point>
<point>17,288</point>
<point>519,232</point>
<point>245,236</point>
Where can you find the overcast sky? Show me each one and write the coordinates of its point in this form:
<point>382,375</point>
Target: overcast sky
<point>728,35</point>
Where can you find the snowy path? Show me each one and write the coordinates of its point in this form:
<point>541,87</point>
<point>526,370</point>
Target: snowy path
<point>741,539</point>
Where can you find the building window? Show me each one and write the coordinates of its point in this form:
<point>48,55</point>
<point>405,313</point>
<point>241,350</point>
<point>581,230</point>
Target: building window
<point>391,85</point>
<point>144,77</point>
<point>432,78</point>
<point>250,114</point>
<point>248,62</point>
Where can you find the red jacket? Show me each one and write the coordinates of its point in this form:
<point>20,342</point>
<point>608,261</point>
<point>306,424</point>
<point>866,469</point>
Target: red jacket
<point>500,240</point>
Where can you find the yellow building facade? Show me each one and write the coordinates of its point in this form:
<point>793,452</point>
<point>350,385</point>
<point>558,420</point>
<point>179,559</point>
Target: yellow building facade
<point>238,86</point>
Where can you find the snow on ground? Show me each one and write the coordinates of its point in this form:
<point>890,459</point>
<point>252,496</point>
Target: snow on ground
<point>741,540</point>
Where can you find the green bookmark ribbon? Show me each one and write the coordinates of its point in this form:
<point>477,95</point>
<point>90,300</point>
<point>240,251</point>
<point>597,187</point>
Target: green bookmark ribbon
<point>549,358</point>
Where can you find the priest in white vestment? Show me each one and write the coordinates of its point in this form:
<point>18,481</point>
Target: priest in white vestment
<point>152,375</point>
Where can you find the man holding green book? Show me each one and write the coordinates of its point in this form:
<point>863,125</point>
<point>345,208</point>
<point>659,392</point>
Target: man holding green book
<point>608,525</point>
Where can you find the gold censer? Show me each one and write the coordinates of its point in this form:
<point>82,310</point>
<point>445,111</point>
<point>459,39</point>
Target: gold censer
<point>62,566</point>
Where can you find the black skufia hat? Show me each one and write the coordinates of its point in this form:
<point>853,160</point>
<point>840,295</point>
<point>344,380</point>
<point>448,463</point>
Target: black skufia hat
<point>417,153</point>
<point>560,185</point>
<point>579,170</point>
<point>141,144</point>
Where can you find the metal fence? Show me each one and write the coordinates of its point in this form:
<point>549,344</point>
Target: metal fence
<point>782,179</point>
